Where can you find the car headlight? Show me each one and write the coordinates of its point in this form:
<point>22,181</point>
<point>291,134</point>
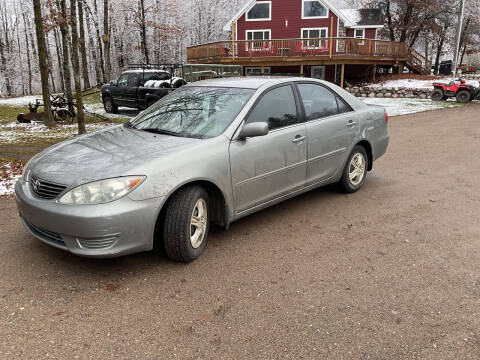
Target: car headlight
<point>102,191</point>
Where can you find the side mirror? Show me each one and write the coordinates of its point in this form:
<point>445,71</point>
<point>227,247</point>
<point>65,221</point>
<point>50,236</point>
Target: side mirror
<point>113,83</point>
<point>253,129</point>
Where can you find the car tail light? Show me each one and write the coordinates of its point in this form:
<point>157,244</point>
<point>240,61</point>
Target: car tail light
<point>386,117</point>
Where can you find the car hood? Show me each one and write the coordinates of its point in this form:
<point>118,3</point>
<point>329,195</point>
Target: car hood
<point>112,152</point>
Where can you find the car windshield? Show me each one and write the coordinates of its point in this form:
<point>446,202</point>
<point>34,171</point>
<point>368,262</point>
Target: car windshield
<point>194,111</point>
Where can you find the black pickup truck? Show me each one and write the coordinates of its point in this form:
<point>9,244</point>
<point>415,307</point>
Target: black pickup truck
<point>138,89</point>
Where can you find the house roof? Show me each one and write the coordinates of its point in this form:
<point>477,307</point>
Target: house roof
<point>364,17</point>
<point>251,3</point>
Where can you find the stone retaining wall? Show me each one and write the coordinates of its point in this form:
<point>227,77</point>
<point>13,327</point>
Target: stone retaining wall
<point>387,92</point>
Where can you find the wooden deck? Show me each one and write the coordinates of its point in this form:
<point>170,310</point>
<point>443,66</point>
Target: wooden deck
<point>308,52</point>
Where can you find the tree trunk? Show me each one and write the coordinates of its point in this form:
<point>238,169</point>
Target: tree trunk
<point>49,61</point>
<point>76,68</point>
<point>437,57</point>
<point>21,62</point>
<point>29,64</point>
<point>93,51</point>
<point>42,59</point>
<point>65,47</point>
<point>463,53</point>
<point>406,20</point>
<point>143,32</point>
<point>99,40</point>
<point>106,42</point>
<point>83,50</point>
<point>59,58</point>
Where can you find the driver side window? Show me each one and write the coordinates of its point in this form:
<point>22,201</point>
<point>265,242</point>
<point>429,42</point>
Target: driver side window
<point>122,80</point>
<point>277,108</point>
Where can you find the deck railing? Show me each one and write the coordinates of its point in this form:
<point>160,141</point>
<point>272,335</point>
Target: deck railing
<point>298,48</point>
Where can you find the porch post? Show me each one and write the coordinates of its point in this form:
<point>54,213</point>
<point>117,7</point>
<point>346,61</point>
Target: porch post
<point>262,69</point>
<point>342,76</point>
<point>374,72</point>
<point>233,40</point>
<point>331,38</point>
<point>301,69</point>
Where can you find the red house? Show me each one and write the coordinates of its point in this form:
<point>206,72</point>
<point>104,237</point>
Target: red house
<point>308,37</point>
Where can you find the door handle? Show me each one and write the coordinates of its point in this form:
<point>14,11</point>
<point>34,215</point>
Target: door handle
<point>298,138</point>
<point>351,123</point>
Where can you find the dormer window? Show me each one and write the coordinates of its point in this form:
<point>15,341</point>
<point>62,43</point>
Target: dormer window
<point>313,10</point>
<point>261,11</point>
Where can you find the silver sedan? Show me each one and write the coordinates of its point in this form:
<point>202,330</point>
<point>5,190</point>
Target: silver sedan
<point>209,153</point>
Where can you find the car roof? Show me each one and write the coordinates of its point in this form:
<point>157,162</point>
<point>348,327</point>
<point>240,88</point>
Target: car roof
<point>247,82</point>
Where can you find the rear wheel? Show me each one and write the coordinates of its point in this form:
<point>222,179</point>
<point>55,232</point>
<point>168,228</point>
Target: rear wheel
<point>355,171</point>
<point>463,96</point>
<point>437,95</point>
<point>187,221</point>
<point>110,106</point>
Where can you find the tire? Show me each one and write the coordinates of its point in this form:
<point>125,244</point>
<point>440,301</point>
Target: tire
<point>437,95</point>
<point>463,96</point>
<point>183,241</point>
<point>110,106</point>
<point>349,183</point>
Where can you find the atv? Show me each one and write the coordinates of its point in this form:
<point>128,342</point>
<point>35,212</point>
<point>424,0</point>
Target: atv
<point>459,89</point>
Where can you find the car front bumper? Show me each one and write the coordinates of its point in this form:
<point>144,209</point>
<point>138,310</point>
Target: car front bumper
<point>108,230</point>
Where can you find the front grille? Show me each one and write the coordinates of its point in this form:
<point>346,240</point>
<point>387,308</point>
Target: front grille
<point>45,189</point>
<point>45,234</point>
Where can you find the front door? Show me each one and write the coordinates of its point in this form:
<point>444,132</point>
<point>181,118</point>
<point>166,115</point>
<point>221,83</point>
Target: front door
<point>331,130</point>
<point>266,167</point>
<point>318,72</point>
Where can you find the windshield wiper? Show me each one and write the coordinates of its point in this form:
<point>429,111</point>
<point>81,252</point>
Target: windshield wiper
<point>129,125</point>
<point>162,131</point>
<point>173,133</point>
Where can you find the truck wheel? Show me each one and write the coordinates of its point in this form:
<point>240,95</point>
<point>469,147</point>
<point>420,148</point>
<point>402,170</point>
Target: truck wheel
<point>187,221</point>
<point>463,96</point>
<point>110,106</point>
<point>437,95</point>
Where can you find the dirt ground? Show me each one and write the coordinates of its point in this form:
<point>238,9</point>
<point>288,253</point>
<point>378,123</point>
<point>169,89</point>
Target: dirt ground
<point>390,272</point>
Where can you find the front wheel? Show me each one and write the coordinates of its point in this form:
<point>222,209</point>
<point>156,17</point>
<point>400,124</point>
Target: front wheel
<point>187,221</point>
<point>110,106</point>
<point>355,170</point>
<point>437,95</point>
<point>463,96</point>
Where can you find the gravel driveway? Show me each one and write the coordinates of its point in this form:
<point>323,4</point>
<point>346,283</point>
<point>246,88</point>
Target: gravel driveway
<point>391,272</point>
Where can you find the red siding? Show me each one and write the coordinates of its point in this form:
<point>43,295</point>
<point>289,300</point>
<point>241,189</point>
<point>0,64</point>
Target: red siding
<point>282,11</point>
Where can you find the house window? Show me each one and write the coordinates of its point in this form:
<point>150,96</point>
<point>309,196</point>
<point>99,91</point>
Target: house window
<point>259,37</point>
<point>261,11</point>
<point>360,33</point>
<point>256,71</point>
<point>315,33</point>
<point>313,9</point>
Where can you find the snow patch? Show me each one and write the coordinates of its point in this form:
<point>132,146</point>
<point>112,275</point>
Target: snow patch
<point>19,101</point>
<point>405,106</point>
<point>9,174</point>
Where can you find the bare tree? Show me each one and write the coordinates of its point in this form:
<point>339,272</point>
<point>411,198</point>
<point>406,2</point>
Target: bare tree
<point>83,50</point>
<point>42,59</point>
<point>106,41</point>
<point>76,68</point>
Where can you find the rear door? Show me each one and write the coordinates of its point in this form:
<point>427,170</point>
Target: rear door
<point>118,92</point>
<point>331,130</point>
<point>266,167</point>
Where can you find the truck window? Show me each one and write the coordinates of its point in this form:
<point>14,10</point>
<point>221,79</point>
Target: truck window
<point>122,80</point>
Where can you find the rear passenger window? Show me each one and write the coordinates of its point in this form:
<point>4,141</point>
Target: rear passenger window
<point>132,80</point>
<point>277,108</point>
<point>342,106</point>
<point>318,101</point>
